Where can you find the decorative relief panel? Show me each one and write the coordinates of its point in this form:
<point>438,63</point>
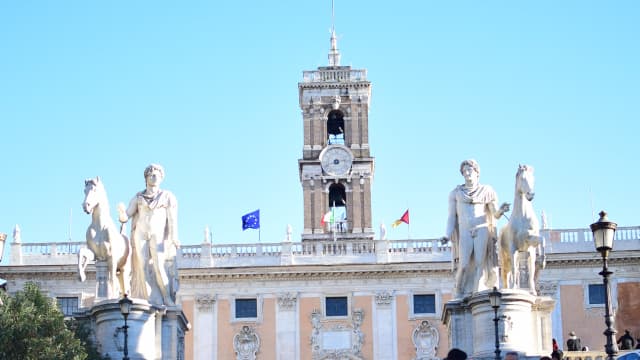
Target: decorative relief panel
<point>205,302</point>
<point>425,338</point>
<point>339,341</point>
<point>383,298</point>
<point>547,288</point>
<point>287,301</point>
<point>505,327</point>
<point>246,344</point>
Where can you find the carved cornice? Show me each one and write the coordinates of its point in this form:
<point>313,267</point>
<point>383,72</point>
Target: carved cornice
<point>561,260</point>
<point>205,302</point>
<point>321,272</point>
<point>335,85</point>
<point>287,301</point>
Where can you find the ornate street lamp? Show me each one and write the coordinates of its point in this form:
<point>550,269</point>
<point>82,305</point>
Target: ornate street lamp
<point>603,232</point>
<point>495,298</point>
<point>125,308</point>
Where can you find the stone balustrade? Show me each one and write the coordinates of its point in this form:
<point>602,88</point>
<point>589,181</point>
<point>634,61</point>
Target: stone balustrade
<point>321,252</point>
<point>581,240</point>
<point>338,74</point>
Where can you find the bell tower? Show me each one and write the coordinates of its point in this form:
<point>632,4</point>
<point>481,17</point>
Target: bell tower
<point>336,168</point>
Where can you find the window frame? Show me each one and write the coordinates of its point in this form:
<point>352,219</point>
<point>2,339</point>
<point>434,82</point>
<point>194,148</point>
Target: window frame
<point>587,295</point>
<point>259,303</point>
<point>58,298</point>
<point>324,306</point>
<point>437,304</point>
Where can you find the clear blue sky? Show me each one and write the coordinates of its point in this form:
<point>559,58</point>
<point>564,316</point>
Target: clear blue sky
<point>209,90</point>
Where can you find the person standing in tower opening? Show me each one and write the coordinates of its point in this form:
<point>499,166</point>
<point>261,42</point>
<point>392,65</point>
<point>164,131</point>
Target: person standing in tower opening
<point>154,240</point>
<point>471,227</point>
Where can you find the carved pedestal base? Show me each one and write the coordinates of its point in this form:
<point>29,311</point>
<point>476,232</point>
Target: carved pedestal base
<point>153,332</point>
<point>524,324</point>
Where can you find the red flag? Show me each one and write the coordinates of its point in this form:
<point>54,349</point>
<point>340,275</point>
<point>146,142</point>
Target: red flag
<point>403,219</point>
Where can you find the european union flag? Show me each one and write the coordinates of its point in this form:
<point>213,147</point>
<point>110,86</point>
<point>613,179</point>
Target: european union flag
<point>251,220</point>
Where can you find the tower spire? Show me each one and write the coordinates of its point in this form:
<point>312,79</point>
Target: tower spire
<point>334,54</point>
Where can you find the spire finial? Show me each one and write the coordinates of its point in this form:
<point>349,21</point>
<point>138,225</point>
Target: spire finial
<point>334,54</point>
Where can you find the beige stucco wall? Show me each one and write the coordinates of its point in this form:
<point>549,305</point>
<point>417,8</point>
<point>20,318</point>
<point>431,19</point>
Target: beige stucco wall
<point>225,330</point>
<point>628,314</point>
<point>306,307</point>
<point>364,303</point>
<point>405,327</point>
<point>187,309</point>
<point>267,329</point>
<point>578,318</point>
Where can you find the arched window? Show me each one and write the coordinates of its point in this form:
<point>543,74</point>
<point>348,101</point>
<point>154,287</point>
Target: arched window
<point>335,127</point>
<point>337,196</point>
<point>338,206</point>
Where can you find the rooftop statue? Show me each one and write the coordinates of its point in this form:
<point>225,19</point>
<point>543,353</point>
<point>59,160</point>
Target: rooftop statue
<point>154,240</point>
<point>105,242</point>
<point>471,226</point>
<point>521,234</point>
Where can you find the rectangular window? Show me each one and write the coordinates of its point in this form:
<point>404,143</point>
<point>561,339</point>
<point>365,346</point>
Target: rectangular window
<point>424,304</point>
<point>596,294</point>
<point>246,308</point>
<point>336,306</point>
<point>67,305</point>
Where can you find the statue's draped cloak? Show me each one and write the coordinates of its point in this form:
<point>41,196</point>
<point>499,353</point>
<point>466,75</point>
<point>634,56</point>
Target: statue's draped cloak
<point>481,194</point>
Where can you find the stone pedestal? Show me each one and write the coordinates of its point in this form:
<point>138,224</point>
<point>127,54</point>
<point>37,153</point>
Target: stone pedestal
<point>154,332</point>
<point>524,324</point>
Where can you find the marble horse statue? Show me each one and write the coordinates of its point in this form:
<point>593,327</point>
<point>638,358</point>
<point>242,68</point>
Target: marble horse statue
<point>521,233</point>
<point>104,241</point>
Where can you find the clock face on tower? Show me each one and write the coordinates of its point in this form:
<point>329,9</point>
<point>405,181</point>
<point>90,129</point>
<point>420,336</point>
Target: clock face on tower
<point>336,160</point>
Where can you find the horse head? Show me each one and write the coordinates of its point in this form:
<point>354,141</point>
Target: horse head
<point>525,181</point>
<point>94,194</point>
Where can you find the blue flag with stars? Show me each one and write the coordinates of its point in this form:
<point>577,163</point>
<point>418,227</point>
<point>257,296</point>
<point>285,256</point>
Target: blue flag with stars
<point>251,220</point>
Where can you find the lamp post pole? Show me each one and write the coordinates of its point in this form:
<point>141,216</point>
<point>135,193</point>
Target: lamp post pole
<point>126,336</point>
<point>603,233</point>
<point>495,297</point>
<point>611,348</point>
<point>125,307</point>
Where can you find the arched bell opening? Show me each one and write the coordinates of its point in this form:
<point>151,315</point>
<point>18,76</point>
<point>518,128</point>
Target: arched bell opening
<point>338,207</point>
<point>335,127</point>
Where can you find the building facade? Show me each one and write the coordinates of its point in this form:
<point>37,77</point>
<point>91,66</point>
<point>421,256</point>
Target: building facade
<point>374,299</point>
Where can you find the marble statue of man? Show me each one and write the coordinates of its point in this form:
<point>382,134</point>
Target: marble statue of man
<point>154,240</point>
<point>471,226</point>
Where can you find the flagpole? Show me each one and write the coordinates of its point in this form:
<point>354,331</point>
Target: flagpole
<point>408,225</point>
<point>333,220</point>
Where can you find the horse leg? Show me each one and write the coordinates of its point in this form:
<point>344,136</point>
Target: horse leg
<point>515,269</point>
<point>503,260</point>
<point>120,275</point>
<point>124,269</point>
<point>506,269</point>
<point>112,282</point>
<point>84,256</point>
<point>532,269</point>
<point>82,265</point>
